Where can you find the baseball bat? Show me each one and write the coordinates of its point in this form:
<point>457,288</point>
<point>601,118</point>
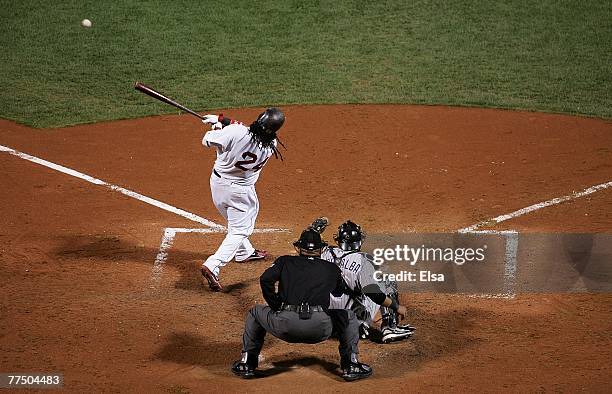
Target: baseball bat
<point>156,95</point>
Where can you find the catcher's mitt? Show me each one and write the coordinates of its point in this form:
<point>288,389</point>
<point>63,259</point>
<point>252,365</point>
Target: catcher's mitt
<point>319,225</point>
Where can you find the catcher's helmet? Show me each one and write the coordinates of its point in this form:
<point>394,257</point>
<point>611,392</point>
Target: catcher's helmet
<point>349,236</point>
<point>271,120</point>
<point>310,240</point>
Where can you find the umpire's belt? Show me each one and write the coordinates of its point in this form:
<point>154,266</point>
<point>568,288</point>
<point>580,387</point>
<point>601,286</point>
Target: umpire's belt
<point>296,308</point>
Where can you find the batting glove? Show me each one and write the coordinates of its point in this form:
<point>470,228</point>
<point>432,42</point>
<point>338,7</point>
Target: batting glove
<point>210,119</point>
<point>213,121</point>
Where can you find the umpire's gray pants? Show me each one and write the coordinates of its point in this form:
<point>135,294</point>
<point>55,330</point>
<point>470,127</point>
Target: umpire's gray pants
<point>288,326</point>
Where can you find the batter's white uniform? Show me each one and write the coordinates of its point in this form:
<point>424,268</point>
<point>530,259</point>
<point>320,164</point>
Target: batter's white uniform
<point>232,185</point>
<point>358,272</point>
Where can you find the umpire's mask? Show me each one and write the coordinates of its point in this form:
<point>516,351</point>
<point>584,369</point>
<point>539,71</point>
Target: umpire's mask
<point>310,243</point>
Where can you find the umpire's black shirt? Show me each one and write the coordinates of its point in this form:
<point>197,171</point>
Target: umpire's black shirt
<point>301,280</point>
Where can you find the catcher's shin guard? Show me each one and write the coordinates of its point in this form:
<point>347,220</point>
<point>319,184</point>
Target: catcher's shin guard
<point>389,317</point>
<point>364,331</point>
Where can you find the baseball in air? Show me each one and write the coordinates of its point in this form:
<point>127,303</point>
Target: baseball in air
<point>86,23</point>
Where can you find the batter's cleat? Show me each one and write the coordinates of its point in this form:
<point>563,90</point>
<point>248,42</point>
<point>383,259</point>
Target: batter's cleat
<point>394,334</point>
<point>213,281</point>
<point>356,371</point>
<point>257,255</point>
<point>242,369</point>
<point>319,225</point>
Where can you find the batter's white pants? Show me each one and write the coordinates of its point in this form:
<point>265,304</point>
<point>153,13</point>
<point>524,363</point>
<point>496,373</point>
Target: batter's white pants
<point>239,206</point>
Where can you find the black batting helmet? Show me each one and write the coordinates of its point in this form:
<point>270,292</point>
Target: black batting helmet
<point>349,236</point>
<point>271,120</point>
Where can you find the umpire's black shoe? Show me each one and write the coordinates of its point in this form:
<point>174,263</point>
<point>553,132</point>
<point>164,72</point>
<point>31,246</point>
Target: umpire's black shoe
<point>243,369</point>
<point>356,371</point>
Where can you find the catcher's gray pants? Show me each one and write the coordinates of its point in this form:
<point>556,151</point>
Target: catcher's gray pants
<point>288,326</point>
<point>390,289</point>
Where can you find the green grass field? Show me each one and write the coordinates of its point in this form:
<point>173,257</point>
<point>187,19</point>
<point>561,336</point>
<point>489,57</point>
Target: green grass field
<point>553,56</point>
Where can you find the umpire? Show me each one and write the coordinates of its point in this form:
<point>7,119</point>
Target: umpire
<point>299,312</point>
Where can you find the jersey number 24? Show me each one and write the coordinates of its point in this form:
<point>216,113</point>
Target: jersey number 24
<point>252,159</point>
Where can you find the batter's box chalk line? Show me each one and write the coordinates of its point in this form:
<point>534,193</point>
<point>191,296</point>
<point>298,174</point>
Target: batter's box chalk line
<point>169,235</point>
<point>512,236</point>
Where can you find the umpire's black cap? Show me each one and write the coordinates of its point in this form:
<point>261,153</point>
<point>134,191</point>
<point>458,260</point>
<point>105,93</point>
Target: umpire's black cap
<point>310,240</point>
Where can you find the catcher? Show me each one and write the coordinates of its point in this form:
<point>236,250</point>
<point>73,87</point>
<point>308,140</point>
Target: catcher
<point>370,298</point>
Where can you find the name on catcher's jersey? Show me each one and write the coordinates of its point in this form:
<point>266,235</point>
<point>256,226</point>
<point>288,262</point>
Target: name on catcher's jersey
<point>239,157</point>
<point>357,271</point>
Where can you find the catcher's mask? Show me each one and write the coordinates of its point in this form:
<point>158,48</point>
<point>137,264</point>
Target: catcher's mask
<point>310,243</point>
<point>271,120</point>
<point>349,236</point>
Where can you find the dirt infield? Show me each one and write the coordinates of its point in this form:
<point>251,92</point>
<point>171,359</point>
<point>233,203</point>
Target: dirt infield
<point>79,295</point>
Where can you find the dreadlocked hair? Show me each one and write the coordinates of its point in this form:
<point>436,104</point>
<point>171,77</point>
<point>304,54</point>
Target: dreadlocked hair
<point>265,139</point>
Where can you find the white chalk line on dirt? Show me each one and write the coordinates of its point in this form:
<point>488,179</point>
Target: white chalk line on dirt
<point>535,207</point>
<point>512,236</point>
<point>148,200</point>
<point>167,241</point>
<point>511,239</point>
<point>169,233</point>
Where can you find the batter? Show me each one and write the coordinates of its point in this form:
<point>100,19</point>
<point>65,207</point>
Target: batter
<point>241,154</point>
